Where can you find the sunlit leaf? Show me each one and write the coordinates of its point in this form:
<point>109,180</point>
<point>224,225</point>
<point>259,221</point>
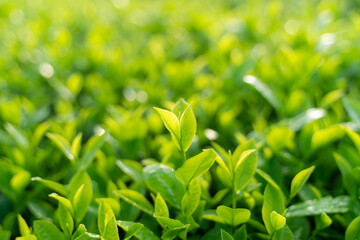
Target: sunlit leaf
<point>196,166</point>
<point>299,180</point>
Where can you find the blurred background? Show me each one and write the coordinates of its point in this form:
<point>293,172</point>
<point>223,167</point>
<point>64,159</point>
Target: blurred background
<point>87,64</point>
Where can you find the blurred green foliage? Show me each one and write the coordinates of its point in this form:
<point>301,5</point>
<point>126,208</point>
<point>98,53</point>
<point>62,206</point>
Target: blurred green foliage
<point>81,78</point>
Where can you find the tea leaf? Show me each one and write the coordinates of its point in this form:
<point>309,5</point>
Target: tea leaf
<point>322,221</point>
<point>279,138</point>
<point>63,201</point>
<point>111,230</point>
<point>105,213</point>
<point>225,235</point>
<point>191,199</point>
<point>131,168</point>
<point>232,216</point>
<point>326,136</point>
<point>136,227</point>
<point>299,180</point>
<point>241,233</point>
<point>45,230</point>
<point>76,145</point>
<point>172,233</point>
<point>187,128</point>
<point>172,123</point>
<point>283,234</point>
<point>161,179</point>
<point>91,148</point>
<point>196,166</point>
<point>28,237</point>
<point>4,234</point>
<point>354,137</point>
<point>353,230</point>
<point>55,186</point>
<point>264,90</point>
<point>80,194</point>
<point>169,223</point>
<point>62,143</point>
<point>79,231</point>
<point>277,221</point>
<point>161,209</point>
<point>273,201</point>
<point>352,108</point>
<point>136,199</point>
<point>328,204</point>
<point>143,233</point>
<point>66,220</point>
<point>245,169</point>
<point>23,227</point>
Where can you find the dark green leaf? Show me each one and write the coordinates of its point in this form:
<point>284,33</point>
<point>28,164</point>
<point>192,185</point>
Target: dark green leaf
<point>225,235</point>
<point>91,148</point>
<point>283,234</point>
<point>143,233</point>
<point>45,230</point>
<point>161,179</point>
<point>136,199</point>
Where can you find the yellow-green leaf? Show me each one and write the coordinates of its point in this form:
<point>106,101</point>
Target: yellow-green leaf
<point>299,180</point>
<point>196,166</point>
<point>172,123</point>
<point>277,220</point>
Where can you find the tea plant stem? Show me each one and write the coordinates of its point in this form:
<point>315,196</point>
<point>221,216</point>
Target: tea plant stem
<point>187,189</point>
<point>233,198</point>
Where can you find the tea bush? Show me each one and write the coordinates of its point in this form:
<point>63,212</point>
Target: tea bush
<point>97,141</point>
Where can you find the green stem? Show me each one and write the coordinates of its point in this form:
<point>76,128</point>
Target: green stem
<point>233,198</point>
<point>184,155</point>
<point>187,188</point>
